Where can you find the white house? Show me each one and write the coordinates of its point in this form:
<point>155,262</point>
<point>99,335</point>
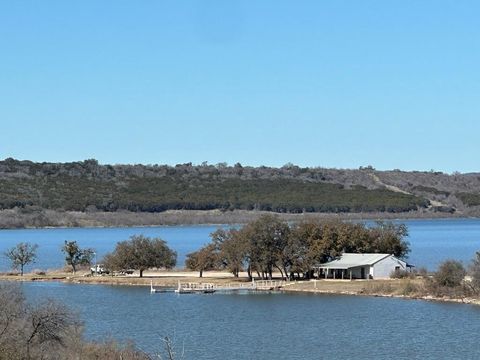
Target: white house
<point>362,266</point>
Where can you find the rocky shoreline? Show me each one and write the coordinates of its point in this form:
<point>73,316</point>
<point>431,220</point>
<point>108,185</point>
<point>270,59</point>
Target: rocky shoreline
<point>465,300</point>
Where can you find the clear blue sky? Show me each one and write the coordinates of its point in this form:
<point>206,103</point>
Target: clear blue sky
<point>394,84</point>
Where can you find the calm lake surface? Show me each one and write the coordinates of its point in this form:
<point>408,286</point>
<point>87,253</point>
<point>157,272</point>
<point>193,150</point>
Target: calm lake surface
<point>273,326</point>
<point>432,241</point>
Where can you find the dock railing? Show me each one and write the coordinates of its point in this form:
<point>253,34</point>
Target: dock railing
<point>266,285</point>
<point>192,287</point>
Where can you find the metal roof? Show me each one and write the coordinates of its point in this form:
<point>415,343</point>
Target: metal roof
<point>349,260</point>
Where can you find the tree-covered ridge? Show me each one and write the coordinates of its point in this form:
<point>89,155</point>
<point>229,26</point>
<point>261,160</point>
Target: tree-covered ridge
<point>82,186</point>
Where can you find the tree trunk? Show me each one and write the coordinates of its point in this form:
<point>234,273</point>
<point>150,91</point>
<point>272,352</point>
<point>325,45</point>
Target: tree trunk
<point>279,269</point>
<point>141,272</point>
<point>286,273</point>
<point>21,270</point>
<point>249,272</point>
<point>201,273</point>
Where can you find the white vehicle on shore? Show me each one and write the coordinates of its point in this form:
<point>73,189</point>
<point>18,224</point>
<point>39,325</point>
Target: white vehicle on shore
<point>99,269</point>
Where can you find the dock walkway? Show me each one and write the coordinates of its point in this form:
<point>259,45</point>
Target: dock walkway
<point>190,288</point>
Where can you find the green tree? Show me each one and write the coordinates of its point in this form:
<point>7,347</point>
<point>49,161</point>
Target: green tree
<point>450,274</point>
<point>305,246</point>
<point>232,248</point>
<point>141,253</point>
<point>75,256</point>
<point>389,238</point>
<point>203,260</point>
<point>267,237</point>
<point>22,254</point>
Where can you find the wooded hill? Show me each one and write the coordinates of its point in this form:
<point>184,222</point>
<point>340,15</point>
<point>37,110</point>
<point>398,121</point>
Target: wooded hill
<point>89,186</point>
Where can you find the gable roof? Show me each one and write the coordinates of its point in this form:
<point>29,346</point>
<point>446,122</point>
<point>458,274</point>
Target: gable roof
<point>350,260</point>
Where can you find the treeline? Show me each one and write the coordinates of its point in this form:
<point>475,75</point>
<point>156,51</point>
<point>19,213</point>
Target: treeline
<point>88,186</point>
<point>269,244</point>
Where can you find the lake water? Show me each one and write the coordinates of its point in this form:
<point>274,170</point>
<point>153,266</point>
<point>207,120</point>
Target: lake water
<point>432,241</point>
<point>273,326</point>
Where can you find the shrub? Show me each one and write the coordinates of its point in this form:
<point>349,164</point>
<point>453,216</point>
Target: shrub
<point>423,272</point>
<point>376,287</point>
<point>402,274</point>
<point>475,272</point>
<point>450,274</point>
<point>409,288</point>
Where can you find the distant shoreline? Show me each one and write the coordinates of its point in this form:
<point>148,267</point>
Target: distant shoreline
<point>17,219</point>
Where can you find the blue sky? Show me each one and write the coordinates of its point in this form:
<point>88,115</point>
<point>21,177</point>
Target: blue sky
<point>393,84</point>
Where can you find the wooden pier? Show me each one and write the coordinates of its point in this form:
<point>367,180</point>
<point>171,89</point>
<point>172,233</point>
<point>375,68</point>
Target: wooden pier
<point>208,288</point>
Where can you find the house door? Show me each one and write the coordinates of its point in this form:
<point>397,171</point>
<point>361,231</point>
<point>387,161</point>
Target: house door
<point>362,273</point>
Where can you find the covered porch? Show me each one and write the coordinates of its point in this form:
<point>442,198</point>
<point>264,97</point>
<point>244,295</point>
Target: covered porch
<point>343,273</point>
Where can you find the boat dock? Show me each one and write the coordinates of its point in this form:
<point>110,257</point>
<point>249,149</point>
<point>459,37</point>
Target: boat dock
<point>208,288</point>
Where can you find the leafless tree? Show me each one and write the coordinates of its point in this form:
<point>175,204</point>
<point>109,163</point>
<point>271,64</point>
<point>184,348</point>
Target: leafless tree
<point>21,255</point>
